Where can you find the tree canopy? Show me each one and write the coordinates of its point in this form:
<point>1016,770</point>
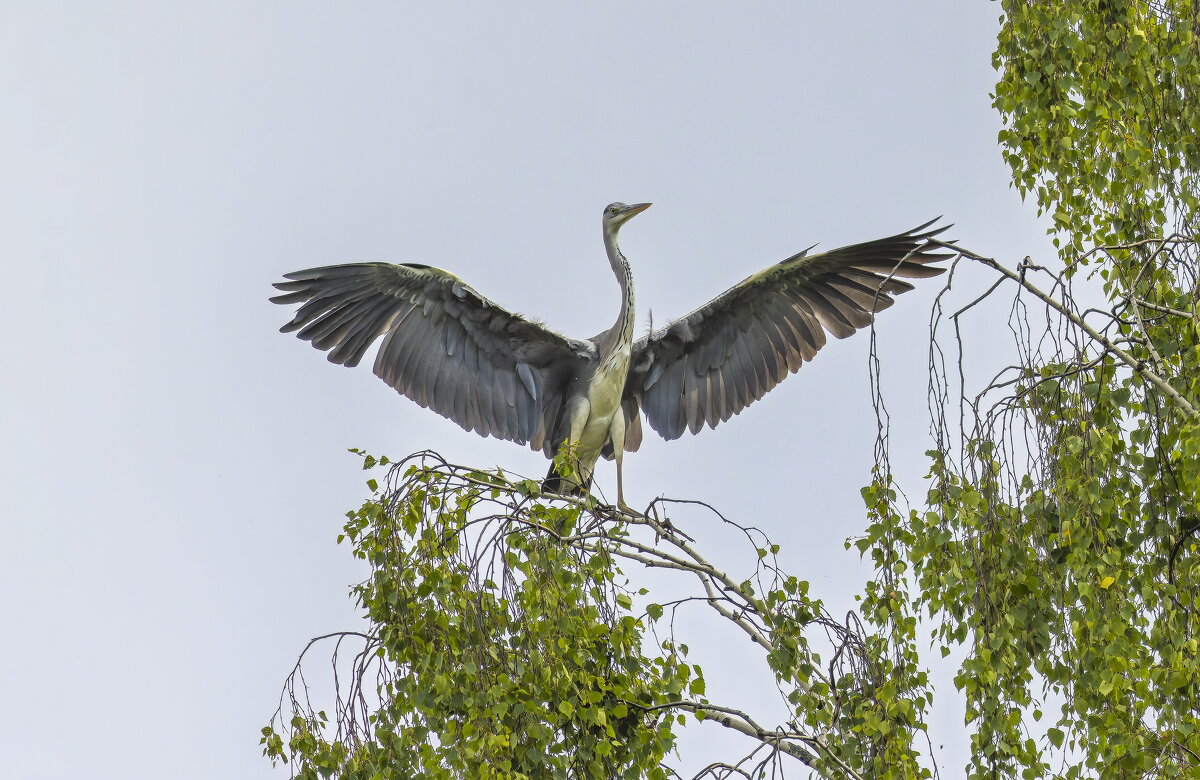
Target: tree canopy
<point>1058,538</point>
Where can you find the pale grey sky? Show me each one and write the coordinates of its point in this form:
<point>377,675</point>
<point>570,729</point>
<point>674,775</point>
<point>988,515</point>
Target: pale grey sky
<point>174,470</point>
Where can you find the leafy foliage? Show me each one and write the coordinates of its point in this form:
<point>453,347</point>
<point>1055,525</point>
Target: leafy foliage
<point>1101,102</point>
<point>504,641</point>
<point>1057,545</point>
<point>525,664</point>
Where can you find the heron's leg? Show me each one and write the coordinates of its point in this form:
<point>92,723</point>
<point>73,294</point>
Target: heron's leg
<point>621,490</point>
<point>616,430</point>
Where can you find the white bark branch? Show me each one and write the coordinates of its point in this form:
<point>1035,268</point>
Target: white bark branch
<point>1138,366</point>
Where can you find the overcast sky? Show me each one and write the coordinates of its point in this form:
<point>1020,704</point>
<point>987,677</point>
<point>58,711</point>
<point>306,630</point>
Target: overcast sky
<point>175,470</point>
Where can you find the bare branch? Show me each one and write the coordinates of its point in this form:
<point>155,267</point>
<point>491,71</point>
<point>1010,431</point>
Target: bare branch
<point>1132,362</point>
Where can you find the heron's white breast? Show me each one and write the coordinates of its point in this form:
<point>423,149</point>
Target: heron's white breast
<point>608,384</point>
<point>604,401</point>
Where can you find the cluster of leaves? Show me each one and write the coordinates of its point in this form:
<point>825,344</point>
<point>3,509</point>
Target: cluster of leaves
<point>504,653</point>
<point>1058,547</point>
<point>1101,104</point>
<point>1079,582</point>
<point>895,715</point>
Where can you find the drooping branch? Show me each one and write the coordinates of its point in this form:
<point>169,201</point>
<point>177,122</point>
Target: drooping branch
<point>1138,366</point>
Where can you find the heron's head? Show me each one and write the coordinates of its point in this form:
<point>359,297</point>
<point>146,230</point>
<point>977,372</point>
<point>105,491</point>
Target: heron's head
<point>617,214</point>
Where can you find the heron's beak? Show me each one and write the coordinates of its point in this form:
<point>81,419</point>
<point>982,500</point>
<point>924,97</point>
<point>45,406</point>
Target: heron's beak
<point>636,208</point>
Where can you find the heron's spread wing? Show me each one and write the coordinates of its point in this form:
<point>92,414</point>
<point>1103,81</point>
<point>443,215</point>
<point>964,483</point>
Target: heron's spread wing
<point>709,365</point>
<point>445,346</point>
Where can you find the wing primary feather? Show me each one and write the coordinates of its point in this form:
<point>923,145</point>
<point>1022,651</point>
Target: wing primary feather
<point>784,336</point>
<point>691,401</point>
<point>409,329</point>
<point>421,370</point>
<point>800,347</point>
<point>669,407</point>
<point>387,357</point>
<point>826,314</point>
<point>472,409</point>
<point>508,389</point>
<point>441,390</point>
<point>759,350</point>
<point>767,340</point>
<point>524,419</point>
<point>351,349</point>
<point>527,378</point>
<point>742,374</point>
<point>751,389</point>
<point>866,299</point>
<point>332,329</point>
<point>775,351</point>
<point>912,268</point>
<point>809,327</point>
<point>460,385</point>
<point>850,311</point>
<point>716,398</point>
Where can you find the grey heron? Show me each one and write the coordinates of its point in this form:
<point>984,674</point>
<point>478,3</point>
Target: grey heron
<point>496,373</point>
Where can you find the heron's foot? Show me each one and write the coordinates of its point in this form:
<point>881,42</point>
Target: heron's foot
<point>627,509</point>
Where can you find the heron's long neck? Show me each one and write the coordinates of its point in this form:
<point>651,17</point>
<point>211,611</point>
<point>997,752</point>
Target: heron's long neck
<point>622,331</point>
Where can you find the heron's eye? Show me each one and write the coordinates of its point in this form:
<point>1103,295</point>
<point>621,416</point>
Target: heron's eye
<point>613,211</point>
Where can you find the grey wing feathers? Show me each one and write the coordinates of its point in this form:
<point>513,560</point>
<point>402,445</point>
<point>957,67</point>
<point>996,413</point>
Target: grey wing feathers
<point>445,346</point>
<point>709,365</point>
